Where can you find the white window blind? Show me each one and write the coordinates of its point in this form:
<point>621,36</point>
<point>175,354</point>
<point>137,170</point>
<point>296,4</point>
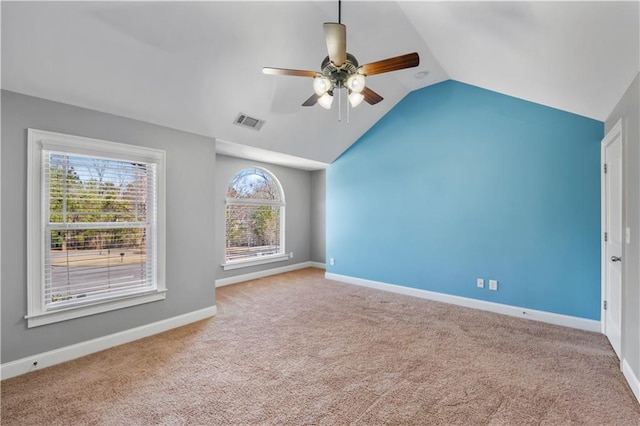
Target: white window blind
<point>96,228</point>
<point>99,240</point>
<point>252,230</point>
<point>254,216</point>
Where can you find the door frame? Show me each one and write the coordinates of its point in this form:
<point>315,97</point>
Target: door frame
<point>611,135</point>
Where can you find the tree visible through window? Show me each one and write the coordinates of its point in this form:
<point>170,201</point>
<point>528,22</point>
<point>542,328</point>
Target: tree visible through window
<point>96,239</point>
<point>97,228</point>
<point>254,216</point>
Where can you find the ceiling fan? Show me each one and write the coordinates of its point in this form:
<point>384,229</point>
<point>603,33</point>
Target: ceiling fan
<point>340,69</point>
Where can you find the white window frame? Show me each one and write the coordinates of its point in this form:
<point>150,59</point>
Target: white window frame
<point>39,140</point>
<point>282,255</point>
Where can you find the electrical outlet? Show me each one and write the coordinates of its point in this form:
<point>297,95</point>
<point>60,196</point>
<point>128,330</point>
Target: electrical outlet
<point>493,285</point>
<point>332,261</point>
<point>291,255</point>
<point>480,282</point>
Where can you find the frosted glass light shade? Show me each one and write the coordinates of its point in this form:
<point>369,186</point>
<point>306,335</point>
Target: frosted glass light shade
<point>321,85</point>
<point>325,100</point>
<point>355,98</point>
<point>355,83</point>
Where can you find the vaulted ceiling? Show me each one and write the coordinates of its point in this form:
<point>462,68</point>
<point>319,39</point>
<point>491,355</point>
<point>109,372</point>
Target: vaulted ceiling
<point>195,66</point>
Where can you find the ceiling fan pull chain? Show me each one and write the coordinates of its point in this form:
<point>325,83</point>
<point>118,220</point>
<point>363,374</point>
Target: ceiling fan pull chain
<point>339,105</point>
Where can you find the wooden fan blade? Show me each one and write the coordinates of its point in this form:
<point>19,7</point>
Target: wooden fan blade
<point>285,71</point>
<point>371,97</point>
<point>336,37</point>
<point>311,101</point>
<point>392,64</point>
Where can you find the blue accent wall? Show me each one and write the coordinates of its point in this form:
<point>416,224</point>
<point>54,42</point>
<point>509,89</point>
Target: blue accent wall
<point>457,183</point>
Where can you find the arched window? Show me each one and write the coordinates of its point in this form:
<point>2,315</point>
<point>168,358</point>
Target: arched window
<point>254,217</point>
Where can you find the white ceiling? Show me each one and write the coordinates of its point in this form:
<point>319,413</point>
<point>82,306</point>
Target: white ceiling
<point>194,66</point>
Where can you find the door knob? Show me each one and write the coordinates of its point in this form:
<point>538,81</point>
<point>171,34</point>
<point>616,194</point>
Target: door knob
<point>616,258</point>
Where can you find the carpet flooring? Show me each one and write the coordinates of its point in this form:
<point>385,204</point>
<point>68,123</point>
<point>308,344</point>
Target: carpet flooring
<point>296,349</point>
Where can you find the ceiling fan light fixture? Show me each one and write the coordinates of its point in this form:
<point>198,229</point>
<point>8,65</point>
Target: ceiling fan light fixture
<point>355,98</point>
<point>326,100</point>
<point>321,85</point>
<point>355,82</point>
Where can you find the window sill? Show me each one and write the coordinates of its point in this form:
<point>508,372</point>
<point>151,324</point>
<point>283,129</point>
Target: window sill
<point>255,261</point>
<point>50,317</point>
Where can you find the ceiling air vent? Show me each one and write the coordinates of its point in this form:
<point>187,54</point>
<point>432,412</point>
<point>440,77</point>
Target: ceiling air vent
<point>245,121</point>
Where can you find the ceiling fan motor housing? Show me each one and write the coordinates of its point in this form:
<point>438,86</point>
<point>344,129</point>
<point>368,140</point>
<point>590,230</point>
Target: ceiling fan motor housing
<point>339,75</point>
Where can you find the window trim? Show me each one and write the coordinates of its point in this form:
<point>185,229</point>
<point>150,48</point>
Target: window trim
<point>37,140</point>
<point>244,263</point>
<point>255,261</point>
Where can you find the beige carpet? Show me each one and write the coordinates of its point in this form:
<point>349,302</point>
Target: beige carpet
<point>297,349</point>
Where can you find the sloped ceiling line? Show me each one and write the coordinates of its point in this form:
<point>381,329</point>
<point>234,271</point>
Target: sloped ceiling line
<point>194,65</point>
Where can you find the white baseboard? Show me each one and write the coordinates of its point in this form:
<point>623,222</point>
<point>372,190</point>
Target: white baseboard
<point>514,311</point>
<point>67,353</point>
<point>266,273</point>
<point>632,379</point>
<point>319,265</point>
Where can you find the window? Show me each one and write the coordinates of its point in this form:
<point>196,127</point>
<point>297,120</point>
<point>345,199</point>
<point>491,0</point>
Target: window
<point>254,219</point>
<point>96,226</point>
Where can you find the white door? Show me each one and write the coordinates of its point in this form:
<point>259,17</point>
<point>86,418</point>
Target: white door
<point>613,235</point>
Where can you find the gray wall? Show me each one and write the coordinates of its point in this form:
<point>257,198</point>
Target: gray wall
<point>190,234</point>
<point>629,111</point>
<point>296,185</point>
<point>318,213</point>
